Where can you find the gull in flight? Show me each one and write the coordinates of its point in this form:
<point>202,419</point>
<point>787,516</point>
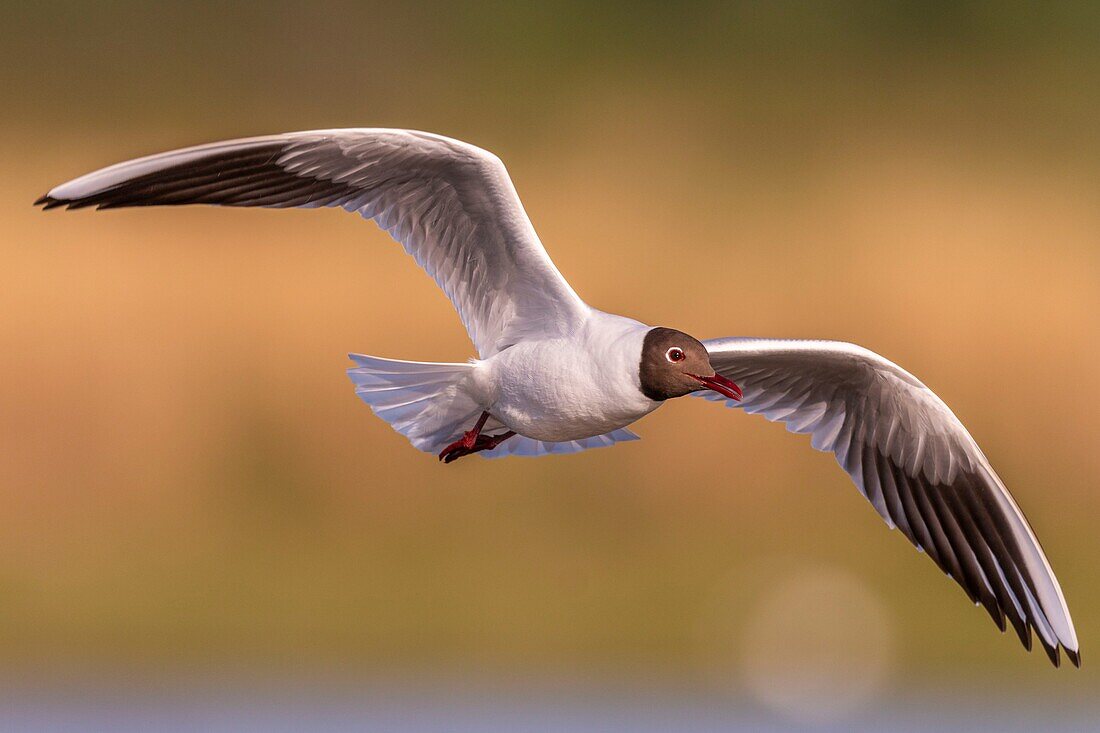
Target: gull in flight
<point>555,375</point>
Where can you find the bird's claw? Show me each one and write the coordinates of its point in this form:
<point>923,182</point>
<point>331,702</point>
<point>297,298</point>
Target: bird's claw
<point>468,445</point>
<point>464,446</point>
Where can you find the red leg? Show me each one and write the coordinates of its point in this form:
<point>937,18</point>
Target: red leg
<point>483,442</point>
<point>464,445</point>
<point>488,442</point>
<point>472,441</point>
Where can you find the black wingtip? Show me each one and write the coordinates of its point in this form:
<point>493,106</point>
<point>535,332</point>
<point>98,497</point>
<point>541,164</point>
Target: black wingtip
<point>1074,657</point>
<point>1054,653</point>
<point>1023,631</point>
<point>995,613</point>
<point>48,202</point>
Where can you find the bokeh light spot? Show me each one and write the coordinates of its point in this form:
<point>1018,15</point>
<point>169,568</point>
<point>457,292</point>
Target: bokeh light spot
<point>818,646</point>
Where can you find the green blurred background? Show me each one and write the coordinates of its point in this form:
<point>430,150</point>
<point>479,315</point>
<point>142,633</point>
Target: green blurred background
<point>190,487</point>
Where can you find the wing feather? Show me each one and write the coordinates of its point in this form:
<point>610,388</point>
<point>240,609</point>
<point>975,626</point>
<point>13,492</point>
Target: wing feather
<point>915,463</point>
<point>451,205</point>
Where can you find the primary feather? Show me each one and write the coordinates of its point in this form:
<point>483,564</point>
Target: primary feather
<point>450,204</point>
<point>916,464</point>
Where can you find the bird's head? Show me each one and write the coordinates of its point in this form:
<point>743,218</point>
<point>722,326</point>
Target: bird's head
<point>675,364</point>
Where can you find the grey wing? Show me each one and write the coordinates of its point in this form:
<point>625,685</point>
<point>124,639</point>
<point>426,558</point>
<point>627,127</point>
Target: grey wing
<point>451,205</point>
<point>915,462</point>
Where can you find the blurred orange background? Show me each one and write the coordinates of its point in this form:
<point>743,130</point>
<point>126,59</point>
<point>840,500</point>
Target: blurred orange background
<point>189,483</point>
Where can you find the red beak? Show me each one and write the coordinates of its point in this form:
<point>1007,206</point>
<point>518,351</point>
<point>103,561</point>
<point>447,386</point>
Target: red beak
<point>721,385</point>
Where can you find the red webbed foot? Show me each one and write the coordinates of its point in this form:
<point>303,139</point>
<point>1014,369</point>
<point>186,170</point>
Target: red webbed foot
<point>472,441</point>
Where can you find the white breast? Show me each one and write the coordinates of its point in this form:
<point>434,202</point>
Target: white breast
<point>570,388</point>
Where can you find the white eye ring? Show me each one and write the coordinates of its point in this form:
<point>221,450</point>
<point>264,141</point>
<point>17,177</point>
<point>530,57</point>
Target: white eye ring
<point>675,354</point>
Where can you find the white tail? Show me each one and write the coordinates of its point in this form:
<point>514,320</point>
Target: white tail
<point>424,401</point>
<point>427,403</point>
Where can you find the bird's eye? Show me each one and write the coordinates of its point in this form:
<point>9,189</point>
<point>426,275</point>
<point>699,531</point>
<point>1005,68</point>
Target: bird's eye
<point>675,354</point>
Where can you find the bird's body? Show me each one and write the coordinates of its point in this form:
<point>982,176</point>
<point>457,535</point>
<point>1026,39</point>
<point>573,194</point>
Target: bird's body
<point>571,387</point>
<point>555,375</point>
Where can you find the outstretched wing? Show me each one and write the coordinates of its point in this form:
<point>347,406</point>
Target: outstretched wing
<point>915,462</point>
<point>450,204</point>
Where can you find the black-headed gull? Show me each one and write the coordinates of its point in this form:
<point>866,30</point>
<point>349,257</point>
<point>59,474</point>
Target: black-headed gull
<point>555,375</point>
